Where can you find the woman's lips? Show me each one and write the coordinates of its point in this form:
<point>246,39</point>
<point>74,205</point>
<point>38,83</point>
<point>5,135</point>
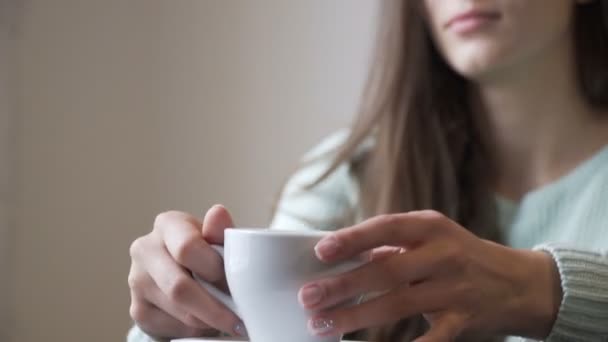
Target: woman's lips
<point>471,21</point>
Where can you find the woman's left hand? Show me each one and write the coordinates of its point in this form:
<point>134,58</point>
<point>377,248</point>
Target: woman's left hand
<point>464,286</point>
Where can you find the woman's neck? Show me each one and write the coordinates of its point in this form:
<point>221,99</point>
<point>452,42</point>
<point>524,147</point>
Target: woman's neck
<point>542,125</point>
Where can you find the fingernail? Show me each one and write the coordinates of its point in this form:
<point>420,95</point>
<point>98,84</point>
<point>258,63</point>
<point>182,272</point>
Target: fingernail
<point>240,330</point>
<point>321,326</point>
<point>311,294</point>
<point>328,247</point>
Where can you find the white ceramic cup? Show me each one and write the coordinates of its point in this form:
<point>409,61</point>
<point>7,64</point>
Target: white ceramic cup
<point>265,268</point>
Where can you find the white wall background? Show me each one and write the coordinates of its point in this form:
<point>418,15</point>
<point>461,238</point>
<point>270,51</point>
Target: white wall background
<point>128,108</point>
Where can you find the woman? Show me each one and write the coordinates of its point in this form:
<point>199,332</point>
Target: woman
<point>484,122</point>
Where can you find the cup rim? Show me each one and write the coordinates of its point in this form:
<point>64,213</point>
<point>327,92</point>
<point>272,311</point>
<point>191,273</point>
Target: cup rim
<point>259,231</point>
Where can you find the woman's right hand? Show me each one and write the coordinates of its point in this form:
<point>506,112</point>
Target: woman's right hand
<point>165,300</point>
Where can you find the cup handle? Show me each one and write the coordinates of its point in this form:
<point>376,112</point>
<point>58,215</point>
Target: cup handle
<point>214,291</point>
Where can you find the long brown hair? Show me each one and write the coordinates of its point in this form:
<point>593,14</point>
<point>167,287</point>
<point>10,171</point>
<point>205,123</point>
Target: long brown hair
<point>432,143</point>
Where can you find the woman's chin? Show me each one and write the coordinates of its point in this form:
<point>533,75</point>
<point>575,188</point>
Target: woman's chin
<point>477,69</point>
<point>473,60</point>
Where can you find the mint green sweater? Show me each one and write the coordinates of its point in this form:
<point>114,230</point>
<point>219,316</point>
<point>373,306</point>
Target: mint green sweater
<point>568,219</point>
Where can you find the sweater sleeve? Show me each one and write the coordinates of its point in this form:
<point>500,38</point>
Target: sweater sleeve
<point>328,205</point>
<point>583,314</point>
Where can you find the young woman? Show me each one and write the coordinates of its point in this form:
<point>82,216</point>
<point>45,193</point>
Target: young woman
<point>477,173</point>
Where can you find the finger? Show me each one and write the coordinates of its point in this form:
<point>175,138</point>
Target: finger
<point>379,275</point>
<point>445,329</point>
<point>182,289</point>
<point>386,251</point>
<point>401,303</point>
<point>144,289</point>
<point>184,241</point>
<point>216,221</point>
<point>158,323</point>
<point>408,229</point>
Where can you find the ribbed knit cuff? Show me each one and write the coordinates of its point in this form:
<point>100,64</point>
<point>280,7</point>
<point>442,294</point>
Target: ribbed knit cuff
<point>583,314</point>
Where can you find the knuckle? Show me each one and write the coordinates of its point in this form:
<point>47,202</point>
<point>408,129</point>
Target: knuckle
<point>220,318</point>
<point>431,215</point>
<point>185,249</point>
<point>454,259</point>
<point>226,319</point>
<point>213,273</point>
<point>161,219</point>
<point>191,321</point>
<point>339,287</point>
<point>139,312</point>
<point>435,219</point>
<point>136,247</point>
<point>454,253</point>
<point>450,250</point>
<point>389,220</point>
<point>345,238</point>
<point>393,223</point>
<point>179,289</point>
<point>133,281</point>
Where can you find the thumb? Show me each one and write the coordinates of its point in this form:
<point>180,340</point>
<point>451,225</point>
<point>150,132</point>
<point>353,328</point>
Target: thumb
<point>216,220</point>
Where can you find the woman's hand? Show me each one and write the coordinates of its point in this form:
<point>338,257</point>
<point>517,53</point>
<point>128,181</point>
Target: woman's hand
<point>165,300</point>
<point>464,286</point>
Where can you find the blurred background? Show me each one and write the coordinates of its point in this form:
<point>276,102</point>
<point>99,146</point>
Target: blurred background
<point>112,111</point>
